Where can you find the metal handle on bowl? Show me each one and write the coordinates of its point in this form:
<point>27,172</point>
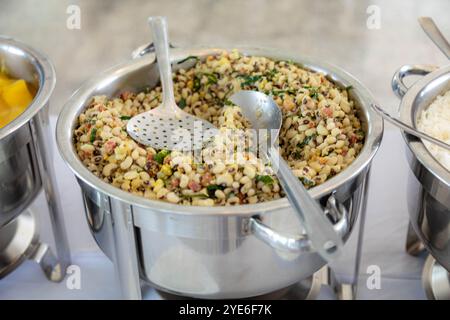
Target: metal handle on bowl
<point>146,49</point>
<point>398,86</point>
<point>300,243</point>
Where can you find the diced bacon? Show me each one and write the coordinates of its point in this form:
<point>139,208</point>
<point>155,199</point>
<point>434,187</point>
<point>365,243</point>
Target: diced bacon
<point>206,179</point>
<point>327,112</point>
<point>194,186</point>
<point>110,146</point>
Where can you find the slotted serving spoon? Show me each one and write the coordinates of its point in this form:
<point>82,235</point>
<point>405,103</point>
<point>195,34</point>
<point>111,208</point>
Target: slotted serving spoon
<point>436,36</point>
<point>263,113</point>
<point>167,126</point>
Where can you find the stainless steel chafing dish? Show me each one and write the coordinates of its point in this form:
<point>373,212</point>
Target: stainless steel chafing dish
<point>214,252</point>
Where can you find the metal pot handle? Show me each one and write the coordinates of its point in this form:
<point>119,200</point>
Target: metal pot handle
<point>146,49</point>
<point>301,243</point>
<point>398,86</point>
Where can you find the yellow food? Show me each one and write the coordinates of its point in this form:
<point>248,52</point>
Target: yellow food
<point>14,98</point>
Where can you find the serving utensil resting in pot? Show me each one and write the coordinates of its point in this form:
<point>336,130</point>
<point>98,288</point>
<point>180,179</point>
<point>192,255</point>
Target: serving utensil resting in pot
<point>156,127</point>
<point>263,113</point>
<point>167,126</point>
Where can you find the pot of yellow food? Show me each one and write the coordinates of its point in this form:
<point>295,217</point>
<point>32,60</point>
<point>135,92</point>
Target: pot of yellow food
<point>215,229</point>
<point>26,83</point>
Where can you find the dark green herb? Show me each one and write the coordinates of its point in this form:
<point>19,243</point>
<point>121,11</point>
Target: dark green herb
<point>271,74</point>
<point>277,92</point>
<point>348,88</point>
<point>297,155</point>
<point>195,195</point>
<point>228,102</point>
<point>182,103</point>
<point>306,141</point>
<point>125,117</point>
<point>159,157</point>
<point>249,80</point>
<point>314,93</point>
<point>93,134</point>
<point>212,78</point>
<point>189,58</point>
<point>212,189</point>
<point>264,179</point>
<point>307,182</point>
<point>197,84</point>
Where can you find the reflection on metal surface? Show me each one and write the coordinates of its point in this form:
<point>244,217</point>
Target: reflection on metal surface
<point>435,280</point>
<point>26,167</point>
<point>429,185</point>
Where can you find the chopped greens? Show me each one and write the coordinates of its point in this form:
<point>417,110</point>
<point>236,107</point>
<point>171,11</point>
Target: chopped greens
<point>307,182</point>
<point>271,74</point>
<point>93,134</point>
<point>277,92</point>
<point>182,103</point>
<point>306,141</point>
<point>195,195</point>
<point>197,84</point>
<point>159,157</point>
<point>125,117</point>
<point>264,179</point>
<point>348,88</point>
<point>189,58</point>
<point>249,80</point>
<point>212,189</point>
<point>212,78</point>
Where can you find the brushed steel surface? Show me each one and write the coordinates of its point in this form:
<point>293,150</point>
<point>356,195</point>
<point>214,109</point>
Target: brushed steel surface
<point>208,252</point>
<point>429,190</point>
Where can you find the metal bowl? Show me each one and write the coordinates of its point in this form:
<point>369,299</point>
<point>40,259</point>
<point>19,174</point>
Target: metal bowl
<point>429,187</point>
<point>20,180</point>
<point>211,252</point>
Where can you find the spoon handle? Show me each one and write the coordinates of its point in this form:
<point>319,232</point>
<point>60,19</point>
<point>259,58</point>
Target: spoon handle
<point>318,227</point>
<point>161,42</point>
<point>408,128</point>
<point>435,34</point>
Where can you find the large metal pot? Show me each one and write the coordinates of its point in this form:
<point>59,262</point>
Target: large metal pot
<point>216,252</point>
<point>429,187</point>
<point>26,167</point>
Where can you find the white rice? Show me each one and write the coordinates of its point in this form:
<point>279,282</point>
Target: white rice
<point>435,121</point>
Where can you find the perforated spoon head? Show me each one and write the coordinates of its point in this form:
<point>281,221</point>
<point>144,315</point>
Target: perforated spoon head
<point>180,131</point>
<point>167,126</point>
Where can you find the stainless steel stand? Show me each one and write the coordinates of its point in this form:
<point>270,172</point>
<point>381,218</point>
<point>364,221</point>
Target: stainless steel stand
<point>125,256</point>
<point>435,278</point>
<point>20,237</point>
<point>53,267</point>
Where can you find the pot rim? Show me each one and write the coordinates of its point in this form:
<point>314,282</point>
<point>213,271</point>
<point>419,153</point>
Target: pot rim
<point>47,80</point>
<point>76,103</point>
<point>415,145</point>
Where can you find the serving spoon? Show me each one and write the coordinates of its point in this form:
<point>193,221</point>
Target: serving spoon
<point>264,114</point>
<point>167,126</point>
<point>436,36</point>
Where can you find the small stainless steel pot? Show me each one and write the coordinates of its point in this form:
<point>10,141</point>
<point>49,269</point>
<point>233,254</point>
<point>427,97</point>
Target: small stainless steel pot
<point>215,252</point>
<point>429,187</point>
<point>26,167</point>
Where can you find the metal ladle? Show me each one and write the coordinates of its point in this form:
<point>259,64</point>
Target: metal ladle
<point>263,113</point>
<point>167,126</point>
<point>434,34</point>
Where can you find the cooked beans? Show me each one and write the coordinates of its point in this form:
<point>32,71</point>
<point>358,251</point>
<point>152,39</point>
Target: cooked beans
<point>320,136</point>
